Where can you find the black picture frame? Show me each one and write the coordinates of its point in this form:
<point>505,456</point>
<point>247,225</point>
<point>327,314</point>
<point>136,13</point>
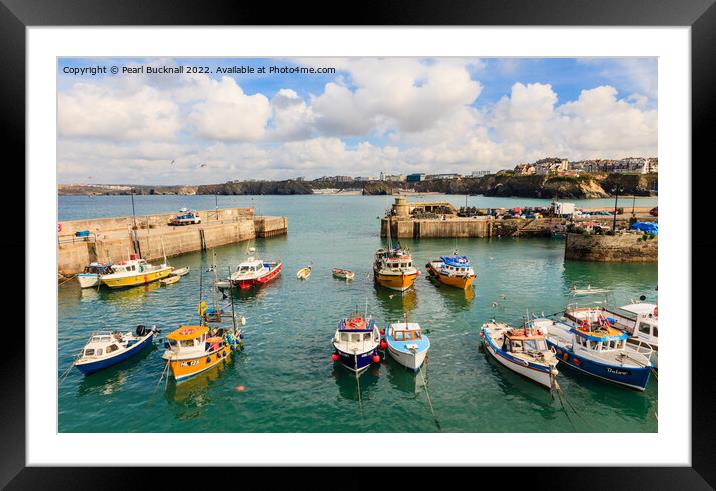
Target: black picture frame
<point>700,15</point>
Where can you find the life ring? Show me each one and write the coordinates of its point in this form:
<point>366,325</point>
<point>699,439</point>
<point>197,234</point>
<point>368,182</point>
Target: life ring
<point>186,331</point>
<point>656,311</point>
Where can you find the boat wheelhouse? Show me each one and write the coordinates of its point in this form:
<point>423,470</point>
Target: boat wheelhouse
<point>454,271</point>
<point>105,349</point>
<point>134,272</point>
<point>255,272</point>
<point>90,277</point>
<point>522,350</point>
<point>356,343</point>
<point>407,344</point>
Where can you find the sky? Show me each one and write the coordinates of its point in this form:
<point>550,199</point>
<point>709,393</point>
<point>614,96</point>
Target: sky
<point>363,117</point>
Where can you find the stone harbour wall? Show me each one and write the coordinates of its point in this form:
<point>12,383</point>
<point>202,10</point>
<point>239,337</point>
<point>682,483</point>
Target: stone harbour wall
<point>611,248</point>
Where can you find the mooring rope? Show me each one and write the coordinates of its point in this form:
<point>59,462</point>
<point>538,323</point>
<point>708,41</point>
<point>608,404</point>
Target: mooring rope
<point>430,403</point>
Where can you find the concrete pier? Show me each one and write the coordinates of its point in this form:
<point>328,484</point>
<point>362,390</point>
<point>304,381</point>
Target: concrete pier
<point>625,248</point>
<point>113,239</point>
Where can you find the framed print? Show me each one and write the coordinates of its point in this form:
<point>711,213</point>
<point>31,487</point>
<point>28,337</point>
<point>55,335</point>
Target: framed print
<point>390,244</point>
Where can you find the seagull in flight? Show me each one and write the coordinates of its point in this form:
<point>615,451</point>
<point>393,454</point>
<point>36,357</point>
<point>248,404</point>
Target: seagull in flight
<point>171,163</point>
<point>202,165</point>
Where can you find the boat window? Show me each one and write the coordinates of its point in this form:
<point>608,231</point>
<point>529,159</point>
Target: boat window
<point>366,336</point>
<point>656,332</point>
<point>98,352</point>
<point>516,346</point>
<point>112,348</point>
<point>355,337</point>
<point>344,336</point>
<point>186,343</point>
<point>89,352</point>
<point>644,328</point>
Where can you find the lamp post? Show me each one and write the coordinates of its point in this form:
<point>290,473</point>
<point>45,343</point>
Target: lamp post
<point>616,191</point>
<point>134,217</point>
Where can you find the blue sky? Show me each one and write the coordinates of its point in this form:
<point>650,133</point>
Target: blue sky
<point>396,115</point>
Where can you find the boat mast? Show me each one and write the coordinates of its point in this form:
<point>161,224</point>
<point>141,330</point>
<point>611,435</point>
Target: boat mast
<point>231,295</point>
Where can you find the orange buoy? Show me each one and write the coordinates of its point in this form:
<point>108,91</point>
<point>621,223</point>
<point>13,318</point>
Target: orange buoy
<point>335,357</point>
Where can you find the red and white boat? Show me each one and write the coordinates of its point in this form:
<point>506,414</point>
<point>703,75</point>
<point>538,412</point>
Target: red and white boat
<point>255,272</point>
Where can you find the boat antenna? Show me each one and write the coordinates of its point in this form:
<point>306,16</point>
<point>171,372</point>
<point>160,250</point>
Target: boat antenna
<point>201,285</point>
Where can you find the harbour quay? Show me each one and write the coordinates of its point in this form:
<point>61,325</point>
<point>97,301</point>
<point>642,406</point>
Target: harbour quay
<point>441,219</point>
<point>107,240</point>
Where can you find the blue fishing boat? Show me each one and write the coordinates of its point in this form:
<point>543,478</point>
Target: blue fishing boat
<point>598,349</point>
<point>407,344</point>
<point>356,343</point>
<point>105,349</point>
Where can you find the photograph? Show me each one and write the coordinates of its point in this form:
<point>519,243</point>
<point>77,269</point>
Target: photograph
<point>358,244</point>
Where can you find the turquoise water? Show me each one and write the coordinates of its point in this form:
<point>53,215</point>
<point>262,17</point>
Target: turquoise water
<point>291,384</point>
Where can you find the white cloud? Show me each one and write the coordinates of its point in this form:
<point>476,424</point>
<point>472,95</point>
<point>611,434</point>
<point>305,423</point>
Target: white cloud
<point>227,113</point>
<point>95,111</point>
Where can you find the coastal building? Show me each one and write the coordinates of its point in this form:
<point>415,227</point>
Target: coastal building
<point>524,169</point>
<point>436,177</point>
<point>395,178</point>
<point>551,165</point>
<point>366,178</point>
<point>481,173</point>
<point>415,177</point>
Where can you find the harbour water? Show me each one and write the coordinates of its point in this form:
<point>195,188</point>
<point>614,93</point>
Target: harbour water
<point>290,383</point>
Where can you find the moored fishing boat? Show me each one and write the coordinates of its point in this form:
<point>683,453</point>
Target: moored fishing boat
<point>90,277</point>
<point>255,272</point>
<point>343,274</point>
<point>181,271</point>
<point>522,350</point>
<point>304,273</point>
<point>454,271</point>
<point>134,272</point>
<point>393,268</point>
<point>407,344</point>
<point>193,349</point>
<point>591,345</point>
<point>105,349</point>
<point>356,342</point>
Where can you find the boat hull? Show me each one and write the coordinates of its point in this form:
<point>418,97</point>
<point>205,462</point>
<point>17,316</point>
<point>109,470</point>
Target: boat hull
<point>142,278</point>
<point>357,362</point>
<point>461,282</point>
<point>170,280</point>
<point>186,368</point>
<point>88,280</point>
<point>398,282</point>
<point>632,377</point>
<point>408,360</point>
<point>540,375</point>
<point>96,366</point>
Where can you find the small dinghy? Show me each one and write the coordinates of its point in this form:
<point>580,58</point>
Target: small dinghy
<point>304,273</point>
<point>407,344</point>
<point>523,351</point>
<point>170,280</point>
<point>343,274</point>
<point>105,349</point>
<point>181,271</point>
<point>356,343</point>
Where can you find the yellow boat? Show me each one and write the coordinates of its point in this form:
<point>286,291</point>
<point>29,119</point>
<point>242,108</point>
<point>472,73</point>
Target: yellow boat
<point>453,271</point>
<point>134,272</point>
<point>304,273</point>
<point>393,268</point>
<point>192,350</point>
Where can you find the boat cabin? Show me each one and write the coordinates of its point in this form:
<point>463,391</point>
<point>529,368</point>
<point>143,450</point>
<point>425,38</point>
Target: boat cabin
<point>98,268</point>
<point>355,330</point>
<point>456,266</point>
<point>104,344</point>
<point>249,267</point>
<point>188,339</point>
<point>410,331</point>
<point>609,339</point>
<point>524,341</point>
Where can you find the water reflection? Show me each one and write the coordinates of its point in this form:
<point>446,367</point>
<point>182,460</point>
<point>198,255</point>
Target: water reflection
<point>394,303</point>
<point>355,388</point>
<point>110,380</point>
<point>189,397</point>
<point>405,380</point>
